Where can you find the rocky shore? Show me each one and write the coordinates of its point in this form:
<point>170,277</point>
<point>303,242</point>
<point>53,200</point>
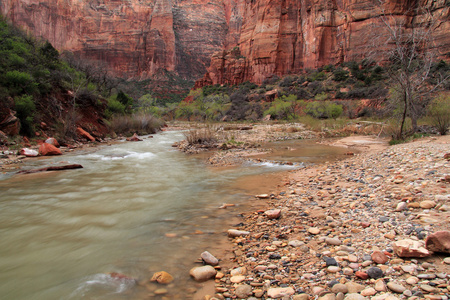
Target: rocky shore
<point>353,229</point>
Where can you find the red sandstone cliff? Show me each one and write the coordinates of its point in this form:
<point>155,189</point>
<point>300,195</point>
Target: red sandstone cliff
<point>230,41</point>
<point>284,37</point>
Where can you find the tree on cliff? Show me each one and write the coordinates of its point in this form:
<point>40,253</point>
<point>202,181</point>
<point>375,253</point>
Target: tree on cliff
<point>407,42</point>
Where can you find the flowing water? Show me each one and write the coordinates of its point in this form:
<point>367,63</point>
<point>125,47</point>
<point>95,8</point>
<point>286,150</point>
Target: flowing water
<point>134,209</point>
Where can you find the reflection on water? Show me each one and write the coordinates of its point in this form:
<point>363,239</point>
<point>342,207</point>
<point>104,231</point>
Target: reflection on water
<point>63,233</point>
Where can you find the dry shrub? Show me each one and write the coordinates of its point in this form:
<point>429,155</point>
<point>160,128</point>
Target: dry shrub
<point>136,123</point>
<point>201,136</point>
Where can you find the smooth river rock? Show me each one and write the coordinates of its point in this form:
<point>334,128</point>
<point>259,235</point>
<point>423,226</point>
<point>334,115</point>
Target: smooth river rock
<point>203,273</point>
<point>209,259</point>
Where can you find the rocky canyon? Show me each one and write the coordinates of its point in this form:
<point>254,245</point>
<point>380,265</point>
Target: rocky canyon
<point>220,41</point>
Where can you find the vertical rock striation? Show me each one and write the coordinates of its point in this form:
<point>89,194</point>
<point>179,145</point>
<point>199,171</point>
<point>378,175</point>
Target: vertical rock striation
<point>225,41</point>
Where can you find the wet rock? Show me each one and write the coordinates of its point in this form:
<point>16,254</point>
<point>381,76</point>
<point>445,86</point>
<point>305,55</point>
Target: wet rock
<point>28,152</point>
<point>236,233</point>
<point>162,277</point>
<point>273,214</point>
<point>243,291</point>
<point>280,292</point>
<point>438,241</point>
<point>48,150</point>
<point>209,259</point>
<point>161,291</point>
<point>134,138</point>
<point>395,287</point>
<point>410,248</point>
<point>203,273</point>
<point>263,196</point>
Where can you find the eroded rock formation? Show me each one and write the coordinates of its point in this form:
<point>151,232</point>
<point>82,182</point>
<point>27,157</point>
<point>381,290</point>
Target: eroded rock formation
<point>230,41</point>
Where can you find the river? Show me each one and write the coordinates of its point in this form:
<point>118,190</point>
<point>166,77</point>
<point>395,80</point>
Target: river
<point>134,209</point>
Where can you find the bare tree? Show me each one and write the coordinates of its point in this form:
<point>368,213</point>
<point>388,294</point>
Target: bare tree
<point>405,43</point>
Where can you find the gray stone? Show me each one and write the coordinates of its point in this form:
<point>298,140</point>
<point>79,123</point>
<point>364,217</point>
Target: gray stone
<point>209,259</point>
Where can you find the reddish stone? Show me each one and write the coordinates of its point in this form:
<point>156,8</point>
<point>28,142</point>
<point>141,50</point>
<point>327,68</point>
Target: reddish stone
<point>438,242</point>
<point>84,134</point>
<point>447,156</point>
<point>134,138</point>
<point>48,149</point>
<point>365,224</point>
<point>362,275</point>
<point>273,214</point>
<point>379,257</point>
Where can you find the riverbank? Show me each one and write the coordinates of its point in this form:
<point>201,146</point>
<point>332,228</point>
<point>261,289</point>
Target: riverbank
<point>337,228</point>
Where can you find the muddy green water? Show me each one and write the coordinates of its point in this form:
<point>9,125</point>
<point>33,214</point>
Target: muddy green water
<point>63,233</point>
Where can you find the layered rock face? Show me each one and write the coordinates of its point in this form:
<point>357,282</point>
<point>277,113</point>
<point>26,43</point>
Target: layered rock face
<point>137,39</point>
<point>230,41</point>
<point>284,37</point>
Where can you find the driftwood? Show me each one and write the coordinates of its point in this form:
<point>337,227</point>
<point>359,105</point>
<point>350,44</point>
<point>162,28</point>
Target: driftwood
<point>52,168</point>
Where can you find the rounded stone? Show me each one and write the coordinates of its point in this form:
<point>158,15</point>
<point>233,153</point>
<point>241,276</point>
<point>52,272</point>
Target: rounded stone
<point>395,287</point>
<point>333,269</point>
<point>375,272</point>
<point>339,288</point>
<point>243,291</point>
<point>203,273</point>
<point>209,259</point>
<point>162,277</point>
<point>370,291</point>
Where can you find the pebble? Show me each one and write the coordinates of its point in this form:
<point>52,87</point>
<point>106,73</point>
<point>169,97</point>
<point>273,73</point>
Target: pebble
<point>243,291</point>
<point>333,241</point>
<point>209,259</point>
<point>375,272</point>
<point>339,288</point>
<point>368,291</point>
<point>346,227</point>
<point>280,292</point>
<point>314,230</point>
<point>237,233</point>
<point>395,287</point>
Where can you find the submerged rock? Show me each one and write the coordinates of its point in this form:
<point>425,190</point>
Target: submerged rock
<point>162,277</point>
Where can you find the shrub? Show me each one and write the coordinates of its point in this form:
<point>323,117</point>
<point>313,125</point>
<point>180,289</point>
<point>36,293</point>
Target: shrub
<point>114,107</point>
<point>439,113</point>
<point>324,110</point>
<point>202,136</point>
<point>25,109</point>
<point>340,74</point>
<point>136,123</point>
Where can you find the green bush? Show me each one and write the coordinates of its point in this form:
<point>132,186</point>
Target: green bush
<point>25,108</point>
<point>324,109</point>
<point>340,74</point>
<point>114,107</point>
<point>439,112</point>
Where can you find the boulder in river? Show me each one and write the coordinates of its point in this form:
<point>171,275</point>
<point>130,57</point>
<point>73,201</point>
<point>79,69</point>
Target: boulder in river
<point>52,141</point>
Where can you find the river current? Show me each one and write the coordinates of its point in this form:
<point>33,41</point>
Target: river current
<point>134,209</point>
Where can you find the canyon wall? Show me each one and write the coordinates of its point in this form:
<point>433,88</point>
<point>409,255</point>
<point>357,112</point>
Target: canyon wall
<point>225,41</point>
